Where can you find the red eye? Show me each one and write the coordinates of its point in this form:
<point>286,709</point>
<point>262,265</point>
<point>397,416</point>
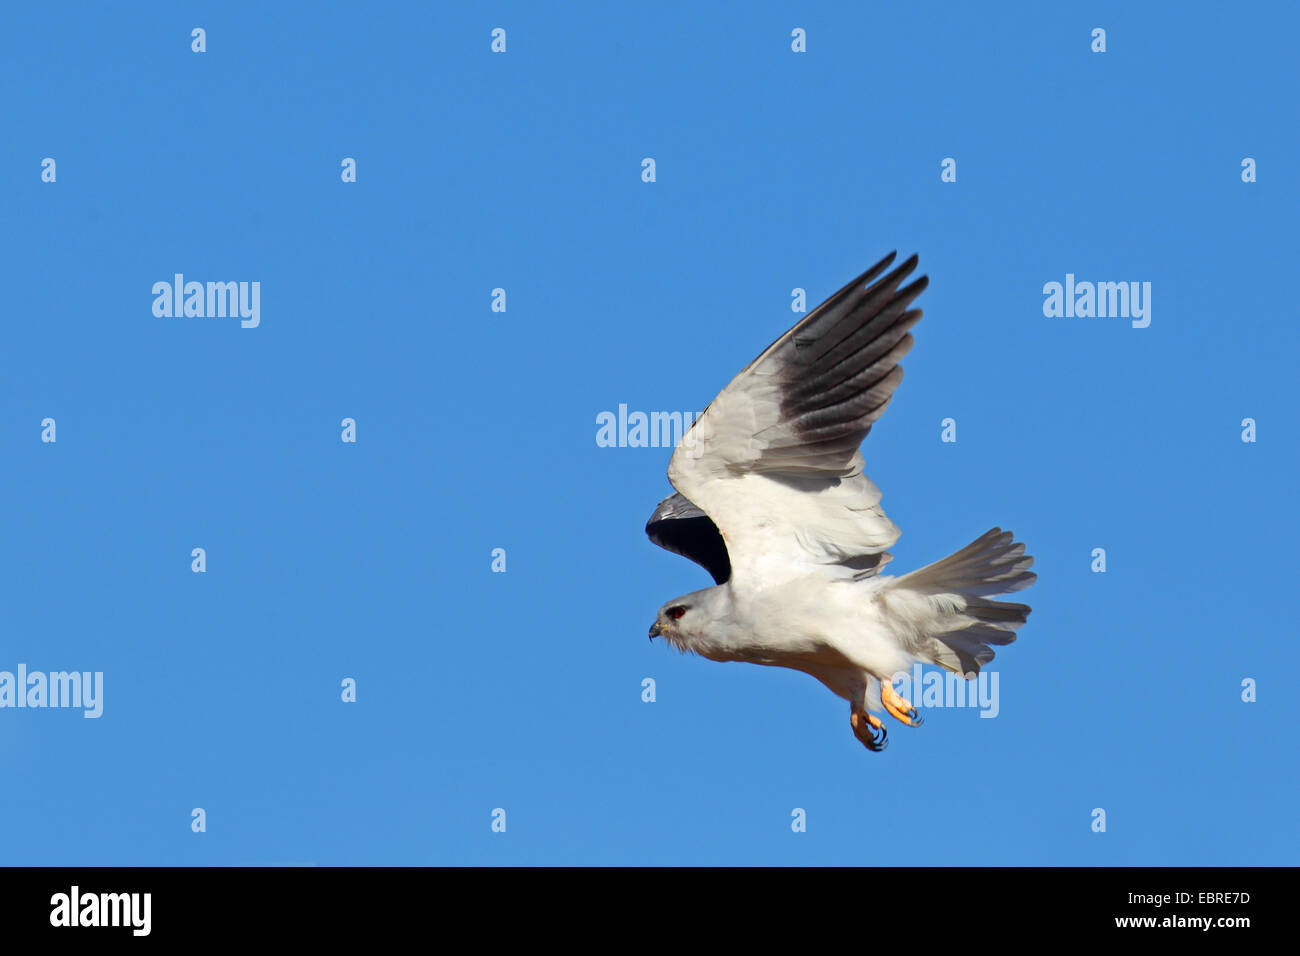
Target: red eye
<point>676,613</point>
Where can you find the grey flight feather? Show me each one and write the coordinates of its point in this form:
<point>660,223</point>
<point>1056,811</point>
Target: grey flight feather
<point>994,563</point>
<point>836,371</point>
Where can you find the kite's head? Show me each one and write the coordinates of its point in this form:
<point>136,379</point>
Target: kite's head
<point>688,622</point>
<point>665,624</point>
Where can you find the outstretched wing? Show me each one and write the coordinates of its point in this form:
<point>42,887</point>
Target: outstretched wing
<point>773,461</point>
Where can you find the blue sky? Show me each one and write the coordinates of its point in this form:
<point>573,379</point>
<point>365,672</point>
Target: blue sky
<point>476,429</point>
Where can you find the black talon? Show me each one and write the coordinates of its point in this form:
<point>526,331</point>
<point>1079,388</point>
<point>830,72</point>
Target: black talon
<point>879,740</point>
<point>871,736</point>
<point>915,717</point>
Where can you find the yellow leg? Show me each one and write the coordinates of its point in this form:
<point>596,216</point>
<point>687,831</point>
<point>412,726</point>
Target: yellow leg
<point>900,708</point>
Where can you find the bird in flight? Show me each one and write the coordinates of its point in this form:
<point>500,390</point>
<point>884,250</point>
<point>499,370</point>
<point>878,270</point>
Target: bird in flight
<point>772,501</point>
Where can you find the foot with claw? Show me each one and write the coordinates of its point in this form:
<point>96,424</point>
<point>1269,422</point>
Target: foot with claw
<point>900,708</point>
<point>869,729</point>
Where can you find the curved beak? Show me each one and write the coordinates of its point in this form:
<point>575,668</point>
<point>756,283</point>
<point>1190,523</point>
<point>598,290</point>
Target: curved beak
<point>655,630</point>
